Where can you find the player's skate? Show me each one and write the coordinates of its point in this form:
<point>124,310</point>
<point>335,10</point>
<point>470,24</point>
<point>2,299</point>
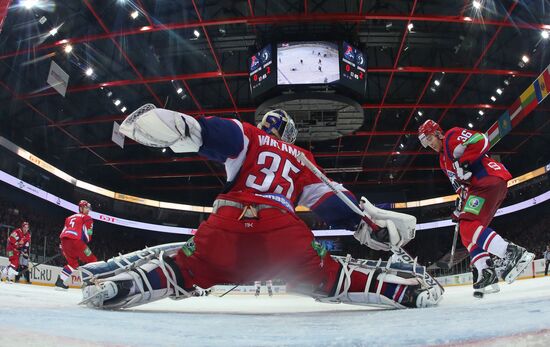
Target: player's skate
<point>486,282</point>
<point>140,285</point>
<point>514,262</point>
<point>60,284</point>
<point>411,290</point>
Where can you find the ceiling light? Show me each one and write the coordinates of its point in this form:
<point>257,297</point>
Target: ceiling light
<point>397,152</point>
<point>53,31</point>
<point>134,14</point>
<point>196,33</point>
<point>145,28</point>
<point>525,59</point>
<point>28,4</point>
<point>420,113</point>
<point>507,82</point>
<point>476,4</point>
<point>499,91</point>
<point>544,34</point>
<point>123,109</point>
<point>164,150</point>
<point>467,19</point>
<point>89,71</point>
<point>402,145</point>
<point>432,89</point>
<point>117,102</point>
<point>470,125</point>
<point>493,98</point>
<point>437,83</point>
<point>68,49</point>
<point>179,91</point>
<point>410,27</point>
<point>481,113</point>
<point>109,94</point>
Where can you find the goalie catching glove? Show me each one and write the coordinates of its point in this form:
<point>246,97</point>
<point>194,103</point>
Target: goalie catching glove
<point>158,127</point>
<point>396,229</point>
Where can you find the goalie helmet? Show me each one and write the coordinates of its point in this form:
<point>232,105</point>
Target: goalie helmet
<point>279,124</point>
<point>429,127</point>
<point>82,204</point>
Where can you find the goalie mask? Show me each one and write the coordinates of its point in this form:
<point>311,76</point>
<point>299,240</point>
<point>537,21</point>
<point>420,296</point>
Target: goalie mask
<point>279,124</point>
<point>428,128</point>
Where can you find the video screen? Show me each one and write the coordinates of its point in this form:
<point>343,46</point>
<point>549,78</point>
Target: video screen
<point>307,63</point>
<point>260,68</point>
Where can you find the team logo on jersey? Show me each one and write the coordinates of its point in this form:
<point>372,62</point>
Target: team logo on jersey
<point>474,204</point>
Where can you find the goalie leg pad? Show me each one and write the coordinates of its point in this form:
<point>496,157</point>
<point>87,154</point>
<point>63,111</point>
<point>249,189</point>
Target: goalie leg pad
<point>157,279</point>
<point>92,272</point>
<point>394,285</point>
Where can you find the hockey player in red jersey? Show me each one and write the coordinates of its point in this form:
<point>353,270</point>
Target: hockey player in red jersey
<point>75,236</point>
<point>18,243</point>
<point>482,182</point>
<point>253,232</point>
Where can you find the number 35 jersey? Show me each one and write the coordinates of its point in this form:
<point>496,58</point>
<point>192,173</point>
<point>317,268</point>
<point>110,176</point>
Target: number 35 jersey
<point>470,149</point>
<point>263,169</point>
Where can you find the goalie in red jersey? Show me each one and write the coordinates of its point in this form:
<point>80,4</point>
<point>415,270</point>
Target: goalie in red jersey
<point>482,182</point>
<point>253,232</point>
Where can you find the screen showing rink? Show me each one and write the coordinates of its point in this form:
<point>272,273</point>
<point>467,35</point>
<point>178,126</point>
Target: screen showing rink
<point>307,63</point>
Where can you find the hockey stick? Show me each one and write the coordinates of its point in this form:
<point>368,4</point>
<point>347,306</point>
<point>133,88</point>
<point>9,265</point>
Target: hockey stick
<point>399,252</point>
<point>229,291</point>
<point>449,264</point>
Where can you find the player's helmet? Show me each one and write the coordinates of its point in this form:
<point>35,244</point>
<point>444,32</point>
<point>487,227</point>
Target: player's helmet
<point>279,124</point>
<point>84,203</point>
<point>429,127</point>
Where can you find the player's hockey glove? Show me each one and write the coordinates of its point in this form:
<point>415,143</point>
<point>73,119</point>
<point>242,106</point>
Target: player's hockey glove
<point>397,229</point>
<point>462,172</point>
<point>458,209</point>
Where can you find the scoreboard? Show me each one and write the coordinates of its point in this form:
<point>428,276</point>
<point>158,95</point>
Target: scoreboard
<point>353,68</point>
<point>261,70</point>
<point>308,66</point>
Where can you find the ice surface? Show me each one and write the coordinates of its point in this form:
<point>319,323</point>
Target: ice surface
<point>291,71</point>
<point>43,316</point>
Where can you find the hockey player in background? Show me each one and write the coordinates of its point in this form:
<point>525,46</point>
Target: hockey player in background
<point>268,285</point>
<point>253,232</point>
<point>75,236</point>
<point>24,264</point>
<point>18,243</point>
<point>463,158</point>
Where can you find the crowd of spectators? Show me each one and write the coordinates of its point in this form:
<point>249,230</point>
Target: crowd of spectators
<point>529,228</point>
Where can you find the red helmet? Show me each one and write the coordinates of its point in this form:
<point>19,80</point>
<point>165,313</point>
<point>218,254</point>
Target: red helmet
<point>84,203</point>
<point>429,127</point>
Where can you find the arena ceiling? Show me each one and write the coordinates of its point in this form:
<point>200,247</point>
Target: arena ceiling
<point>192,56</point>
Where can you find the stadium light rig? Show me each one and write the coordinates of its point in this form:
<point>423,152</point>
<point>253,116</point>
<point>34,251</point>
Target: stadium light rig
<point>89,71</point>
<point>29,4</point>
<point>493,99</point>
<point>476,4</point>
<point>481,113</point>
<point>544,34</point>
<point>196,33</point>
<point>525,59</point>
<point>117,102</point>
<point>53,32</point>
<point>123,109</point>
<point>134,14</point>
<point>179,91</point>
<point>410,27</point>
<point>499,91</point>
<point>68,49</point>
<point>470,125</point>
